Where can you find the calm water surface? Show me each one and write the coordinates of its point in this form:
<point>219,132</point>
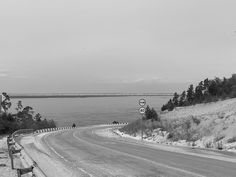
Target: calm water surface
<point>90,111</point>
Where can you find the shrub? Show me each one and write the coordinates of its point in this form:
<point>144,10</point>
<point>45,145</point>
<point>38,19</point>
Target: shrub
<point>23,119</point>
<point>208,144</point>
<point>196,120</point>
<point>232,140</point>
<point>151,114</point>
<point>218,138</point>
<point>139,125</point>
<point>182,129</point>
<point>219,145</point>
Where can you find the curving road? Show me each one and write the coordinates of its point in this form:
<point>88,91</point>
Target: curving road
<point>81,152</point>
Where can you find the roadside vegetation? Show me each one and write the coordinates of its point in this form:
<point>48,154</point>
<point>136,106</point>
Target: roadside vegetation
<point>178,129</point>
<point>206,91</point>
<point>210,125</point>
<point>23,118</point>
<point>149,122</point>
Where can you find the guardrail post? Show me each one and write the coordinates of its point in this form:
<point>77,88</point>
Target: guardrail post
<point>15,151</point>
<point>11,144</point>
<point>9,141</point>
<point>24,171</point>
<point>11,157</point>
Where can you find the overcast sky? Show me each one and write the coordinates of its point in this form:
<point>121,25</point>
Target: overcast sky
<point>114,45</point>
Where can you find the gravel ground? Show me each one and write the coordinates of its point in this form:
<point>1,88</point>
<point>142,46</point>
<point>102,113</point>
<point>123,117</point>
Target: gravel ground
<point>5,163</point>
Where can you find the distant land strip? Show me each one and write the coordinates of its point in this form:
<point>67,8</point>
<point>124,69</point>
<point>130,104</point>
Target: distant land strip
<point>85,95</point>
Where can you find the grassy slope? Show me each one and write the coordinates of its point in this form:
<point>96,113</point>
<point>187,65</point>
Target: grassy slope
<point>216,119</point>
<point>207,124</point>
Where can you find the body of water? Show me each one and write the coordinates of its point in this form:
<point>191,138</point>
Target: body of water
<point>90,111</point>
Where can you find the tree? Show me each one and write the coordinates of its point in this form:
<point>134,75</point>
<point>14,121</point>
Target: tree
<point>199,93</point>
<point>27,112</point>
<point>148,113</point>
<point>170,106</point>
<point>6,104</point>
<point>155,116</point>
<point>190,94</point>
<point>213,88</point>
<point>205,91</point>
<point>23,119</point>
<point>38,117</point>
<point>225,88</point>
<point>151,114</point>
<point>182,99</point>
<point>164,107</point>
<point>233,92</point>
<point>206,84</point>
<point>19,106</point>
<point>7,123</point>
<point>176,99</point>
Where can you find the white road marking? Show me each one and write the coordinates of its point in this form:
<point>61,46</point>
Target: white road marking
<point>133,156</point>
<point>63,158</point>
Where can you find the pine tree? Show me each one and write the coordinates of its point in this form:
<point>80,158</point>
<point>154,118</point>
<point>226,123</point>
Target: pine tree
<point>164,107</point>
<point>199,93</point>
<point>182,99</point>
<point>176,99</point>
<point>154,116</point>
<point>151,114</point>
<point>38,117</point>
<point>206,84</point>
<point>190,94</point>
<point>170,105</point>
<point>148,113</point>
<point>213,88</point>
<point>206,91</point>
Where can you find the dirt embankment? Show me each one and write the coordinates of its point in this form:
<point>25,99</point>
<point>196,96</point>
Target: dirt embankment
<point>211,125</point>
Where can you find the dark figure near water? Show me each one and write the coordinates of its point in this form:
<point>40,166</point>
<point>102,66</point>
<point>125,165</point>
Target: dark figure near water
<point>73,125</point>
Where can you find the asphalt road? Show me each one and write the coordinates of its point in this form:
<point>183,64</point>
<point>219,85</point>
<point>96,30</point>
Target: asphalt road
<point>87,154</point>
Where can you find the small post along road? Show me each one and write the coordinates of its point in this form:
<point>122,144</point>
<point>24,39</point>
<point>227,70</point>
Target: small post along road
<point>142,103</point>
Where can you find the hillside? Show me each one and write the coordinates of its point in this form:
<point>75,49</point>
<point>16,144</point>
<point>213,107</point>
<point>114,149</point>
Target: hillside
<point>208,125</point>
<point>217,120</point>
<point>205,92</point>
<point>219,107</point>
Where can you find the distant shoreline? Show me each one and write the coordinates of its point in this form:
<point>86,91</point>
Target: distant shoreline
<point>14,96</point>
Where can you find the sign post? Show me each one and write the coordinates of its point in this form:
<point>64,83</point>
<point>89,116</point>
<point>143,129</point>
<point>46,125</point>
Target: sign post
<point>142,103</point>
<point>11,157</point>
<point>1,100</point>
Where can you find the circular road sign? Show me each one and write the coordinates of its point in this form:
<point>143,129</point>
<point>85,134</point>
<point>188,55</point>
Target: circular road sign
<point>142,102</point>
<point>142,110</point>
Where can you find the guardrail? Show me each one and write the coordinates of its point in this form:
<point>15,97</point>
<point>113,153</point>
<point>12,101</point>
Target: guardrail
<point>14,147</point>
<point>52,129</point>
<point>126,123</point>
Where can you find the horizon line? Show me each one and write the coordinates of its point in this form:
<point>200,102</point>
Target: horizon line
<point>82,95</point>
